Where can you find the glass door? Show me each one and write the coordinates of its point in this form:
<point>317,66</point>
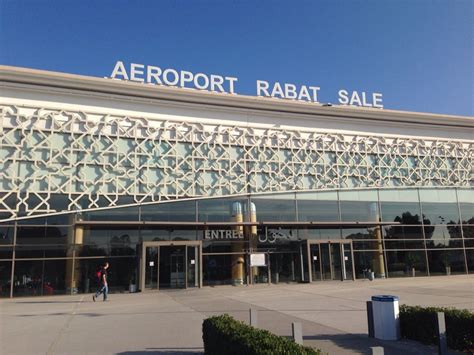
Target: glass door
<point>170,265</point>
<point>151,267</point>
<point>315,253</point>
<point>336,261</point>
<point>325,262</point>
<point>192,266</point>
<point>331,260</point>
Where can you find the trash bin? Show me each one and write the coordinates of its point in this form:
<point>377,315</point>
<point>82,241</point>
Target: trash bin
<point>386,320</point>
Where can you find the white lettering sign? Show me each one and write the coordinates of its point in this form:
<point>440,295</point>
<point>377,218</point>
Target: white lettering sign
<point>223,234</point>
<point>154,75</point>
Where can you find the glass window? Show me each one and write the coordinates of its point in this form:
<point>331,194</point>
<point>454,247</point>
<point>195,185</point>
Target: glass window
<point>400,206</point>
<point>108,242</point>
<point>222,210</point>
<point>180,211</point>
<point>170,234</point>
<point>122,272</point>
<point>95,235</point>
<point>112,214</point>
<point>319,234</point>
<point>279,207</point>
<point>408,263</point>
<point>40,277</point>
<point>366,245</point>
<point>6,234</point>
<point>403,232</point>
<point>468,231</point>
<point>470,260</point>
<point>359,233</point>
<point>318,206</point>
<point>446,262</point>
<point>42,235</point>
<point>5,278</point>
<point>363,262</point>
<point>359,206</point>
<point>6,252</point>
<point>439,206</point>
<point>444,243</point>
<point>40,251</point>
<point>217,270</point>
<point>404,244</point>
<point>467,212</point>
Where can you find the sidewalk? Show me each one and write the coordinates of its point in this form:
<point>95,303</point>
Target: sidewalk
<point>169,322</point>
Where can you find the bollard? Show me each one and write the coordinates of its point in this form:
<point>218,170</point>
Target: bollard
<point>377,350</point>
<point>370,319</point>
<point>441,329</point>
<point>297,330</point>
<point>253,317</point>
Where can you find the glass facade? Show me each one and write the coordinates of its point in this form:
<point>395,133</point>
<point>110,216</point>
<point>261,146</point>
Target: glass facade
<point>297,237</point>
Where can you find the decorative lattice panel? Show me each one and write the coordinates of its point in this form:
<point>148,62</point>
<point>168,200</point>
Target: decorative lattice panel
<point>52,160</point>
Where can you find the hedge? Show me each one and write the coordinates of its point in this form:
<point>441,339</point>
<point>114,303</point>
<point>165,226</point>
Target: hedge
<point>419,323</point>
<point>225,335</point>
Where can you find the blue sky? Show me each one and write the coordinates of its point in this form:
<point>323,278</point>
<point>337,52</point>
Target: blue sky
<point>418,53</point>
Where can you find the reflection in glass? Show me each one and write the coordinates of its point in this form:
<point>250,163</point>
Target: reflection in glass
<point>359,233</point>
<point>5,277</point>
<point>217,270</point>
<point>42,235</point>
<point>404,244</point>
<point>182,211</point>
<point>319,234</point>
<point>359,206</point>
<point>284,267</point>
<point>112,214</point>
<point>39,278</point>
<point>406,263</point>
<point>440,206</point>
<point>122,272</point>
<point>218,210</point>
<point>467,212</point>
<point>6,252</point>
<point>470,260</point>
<point>281,209</point>
<point>446,262</point>
<point>404,232</point>
<point>403,212</point>
<point>317,210</point>
<point>363,262</point>
<point>6,234</point>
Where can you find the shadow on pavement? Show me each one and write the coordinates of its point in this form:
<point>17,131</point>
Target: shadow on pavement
<point>163,351</point>
<point>361,344</point>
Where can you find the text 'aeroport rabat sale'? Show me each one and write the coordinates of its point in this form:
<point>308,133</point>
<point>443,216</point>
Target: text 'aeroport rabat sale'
<point>154,75</point>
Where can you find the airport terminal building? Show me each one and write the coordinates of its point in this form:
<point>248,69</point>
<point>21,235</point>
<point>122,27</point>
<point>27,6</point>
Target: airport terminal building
<point>181,188</point>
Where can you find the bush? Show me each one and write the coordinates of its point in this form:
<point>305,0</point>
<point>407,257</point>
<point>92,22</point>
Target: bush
<point>419,323</point>
<point>225,335</point>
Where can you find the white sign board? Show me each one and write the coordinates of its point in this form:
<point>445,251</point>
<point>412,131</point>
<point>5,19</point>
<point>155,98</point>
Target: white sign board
<point>257,259</point>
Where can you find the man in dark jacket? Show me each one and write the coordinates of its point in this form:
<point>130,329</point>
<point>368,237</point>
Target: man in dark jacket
<point>103,285</point>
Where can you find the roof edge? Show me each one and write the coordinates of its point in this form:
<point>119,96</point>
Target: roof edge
<point>66,81</point>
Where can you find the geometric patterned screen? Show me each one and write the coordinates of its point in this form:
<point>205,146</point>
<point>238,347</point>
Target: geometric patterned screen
<point>53,160</point>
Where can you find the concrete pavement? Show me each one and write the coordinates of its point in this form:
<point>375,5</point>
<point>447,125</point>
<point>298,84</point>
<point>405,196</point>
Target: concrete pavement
<point>169,322</point>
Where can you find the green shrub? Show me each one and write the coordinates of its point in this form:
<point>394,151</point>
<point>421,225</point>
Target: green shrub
<point>225,335</point>
<point>419,323</point>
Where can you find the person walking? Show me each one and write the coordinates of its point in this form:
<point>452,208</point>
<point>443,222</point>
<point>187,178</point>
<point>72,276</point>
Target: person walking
<point>103,285</point>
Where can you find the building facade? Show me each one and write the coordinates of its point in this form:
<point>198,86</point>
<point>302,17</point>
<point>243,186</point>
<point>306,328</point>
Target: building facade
<point>183,188</point>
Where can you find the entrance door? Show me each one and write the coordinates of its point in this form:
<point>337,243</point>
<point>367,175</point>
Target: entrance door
<point>170,265</point>
<point>330,260</point>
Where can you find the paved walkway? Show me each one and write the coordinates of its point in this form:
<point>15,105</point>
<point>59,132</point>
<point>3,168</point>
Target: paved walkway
<point>169,322</point>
